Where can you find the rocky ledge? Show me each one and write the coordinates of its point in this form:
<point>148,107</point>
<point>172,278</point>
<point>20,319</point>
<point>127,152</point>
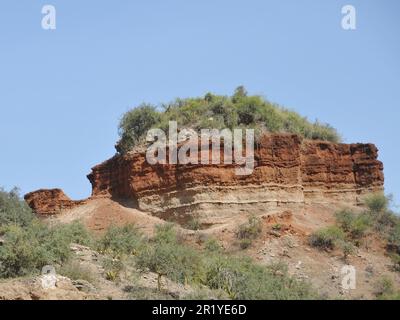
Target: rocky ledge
<point>288,171</point>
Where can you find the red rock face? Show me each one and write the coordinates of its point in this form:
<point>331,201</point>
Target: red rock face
<point>49,202</point>
<point>340,170</point>
<point>287,170</point>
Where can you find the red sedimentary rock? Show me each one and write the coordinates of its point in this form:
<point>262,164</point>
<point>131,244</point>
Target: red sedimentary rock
<point>50,201</point>
<point>288,170</point>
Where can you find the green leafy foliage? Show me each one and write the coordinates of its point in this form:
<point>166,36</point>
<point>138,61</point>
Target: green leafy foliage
<point>119,241</point>
<point>134,125</point>
<point>27,250</point>
<point>239,278</point>
<point>249,231</point>
<point>212,245</point>
<point>352,227</point>
<point>385,290</point>
<point>327,238</point>
<point>14,210</point>
<point>355,225</point>
<point>377,202</point>
<point>77,271</point>
<point>218,112</point>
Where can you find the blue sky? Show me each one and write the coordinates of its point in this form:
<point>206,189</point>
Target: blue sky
<point>63,92</point>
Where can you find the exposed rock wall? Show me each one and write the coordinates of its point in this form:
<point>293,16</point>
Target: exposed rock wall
<point>288,171</point>
<point>50,201</point>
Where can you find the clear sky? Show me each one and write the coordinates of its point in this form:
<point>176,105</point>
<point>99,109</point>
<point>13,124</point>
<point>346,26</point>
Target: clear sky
<point>63,91</point>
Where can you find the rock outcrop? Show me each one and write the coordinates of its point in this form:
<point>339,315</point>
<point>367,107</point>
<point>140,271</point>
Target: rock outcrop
<point>50,201</point>
<point>288,171</point>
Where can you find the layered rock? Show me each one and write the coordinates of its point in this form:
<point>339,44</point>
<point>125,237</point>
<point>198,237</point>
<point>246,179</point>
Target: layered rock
<point>50,201</point>
<point>289,171</point>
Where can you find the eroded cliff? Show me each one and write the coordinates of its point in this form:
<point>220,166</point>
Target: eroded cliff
<point>288,171</point>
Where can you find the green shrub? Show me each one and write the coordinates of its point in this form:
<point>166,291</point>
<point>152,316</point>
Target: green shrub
<point>113,268</point>
<point>134,126</point>
<point>193,224</point>
<point>166,233</point>
<point>144,293</point>
<point>212,245</point>
<point>245,243</point>
<point>239,278</point>
<point>396,261</point>
<point>377,202</point>
<point>177,262</point>
<point>383,219</point>
<point>27,250</point>
<point>243,279</point>
<point>204,293</point>
<point>74,232</point>
<point>77,271</point>
<point>218,112</point>
<point>347,248</point>
<point>384,288</point>
<point>327,238</point>
<point>250,230</point>
<point>345,219</point>
<point>355,225</point>
<point>394,239</point>
<point>14,210</point>
<point>165,256</point>
<point>119,241</point>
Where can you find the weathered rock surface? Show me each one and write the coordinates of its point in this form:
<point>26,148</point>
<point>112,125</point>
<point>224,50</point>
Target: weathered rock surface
<point>288,171</point>
<point>50,201</point>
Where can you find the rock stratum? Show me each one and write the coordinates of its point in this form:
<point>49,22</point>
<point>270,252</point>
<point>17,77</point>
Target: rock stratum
<point>289,171</point>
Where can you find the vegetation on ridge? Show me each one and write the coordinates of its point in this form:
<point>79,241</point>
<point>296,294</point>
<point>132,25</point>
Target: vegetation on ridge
<point>217,112</point>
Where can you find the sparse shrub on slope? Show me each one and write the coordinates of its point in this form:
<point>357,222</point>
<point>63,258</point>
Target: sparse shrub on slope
<point>352,227</point>
<point>327,238</point>
<point>377,202</point>
<point>239,278</point>
<point>243,279</point>
<point>218,112</point>
<point>77,271</point>
<point>384,289</point>
<point>165,256</point>
<point>74,232</point>
<point>29,244</point>
<point>212,245</point>
<point>27,250</point>
<point>249,231</point>
<point>355,225</point>
<point>118,241</point>
<point>14,210</point>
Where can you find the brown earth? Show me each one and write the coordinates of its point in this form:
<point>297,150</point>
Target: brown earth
<point>296,185</point>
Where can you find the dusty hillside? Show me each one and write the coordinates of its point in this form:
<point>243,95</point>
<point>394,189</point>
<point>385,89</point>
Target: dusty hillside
<point>295,189</point>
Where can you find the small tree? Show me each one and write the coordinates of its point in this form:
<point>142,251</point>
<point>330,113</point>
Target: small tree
<point>134,125</point>
<point>240,92</point>
<point>14,210</point>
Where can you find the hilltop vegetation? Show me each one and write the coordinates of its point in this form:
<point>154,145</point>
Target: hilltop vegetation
<point>217,112</point>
